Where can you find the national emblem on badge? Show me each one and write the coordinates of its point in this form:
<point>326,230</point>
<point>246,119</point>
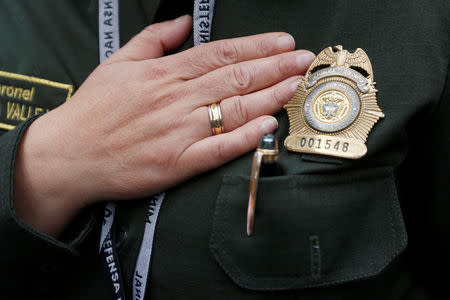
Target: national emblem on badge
<point>335,105</point>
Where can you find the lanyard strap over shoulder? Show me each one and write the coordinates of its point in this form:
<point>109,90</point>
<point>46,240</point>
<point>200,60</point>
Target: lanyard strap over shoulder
<point>109,42</point>
<point>108,28</point>
<point>141,272</point>
<point>109,253</point>
<point>203,18</point>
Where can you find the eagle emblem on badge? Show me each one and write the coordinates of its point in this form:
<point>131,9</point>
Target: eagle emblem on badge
<point>335,105</point>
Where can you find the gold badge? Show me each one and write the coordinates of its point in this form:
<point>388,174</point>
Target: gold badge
<point>335,105</point>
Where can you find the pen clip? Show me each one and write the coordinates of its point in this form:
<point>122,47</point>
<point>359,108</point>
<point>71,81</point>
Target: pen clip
<point>267,152</point>
<point>254,177</point>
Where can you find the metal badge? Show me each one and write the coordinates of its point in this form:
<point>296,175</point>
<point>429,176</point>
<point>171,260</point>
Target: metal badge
<point>335,105</point>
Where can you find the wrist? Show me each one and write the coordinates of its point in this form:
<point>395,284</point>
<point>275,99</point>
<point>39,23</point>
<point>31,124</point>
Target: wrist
<point>45,196</point>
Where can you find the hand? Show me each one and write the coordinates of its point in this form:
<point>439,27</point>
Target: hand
<point>139,123</point>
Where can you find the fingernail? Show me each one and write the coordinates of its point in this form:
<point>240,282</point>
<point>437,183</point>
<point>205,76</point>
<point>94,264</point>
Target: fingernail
<point>269,124</point>
<point>179,19</point>
<point>286,42</point>
<point>305,58</point>
<point>294,85</point>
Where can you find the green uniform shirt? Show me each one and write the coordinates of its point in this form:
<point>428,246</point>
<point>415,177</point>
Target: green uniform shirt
<point>358,212</point>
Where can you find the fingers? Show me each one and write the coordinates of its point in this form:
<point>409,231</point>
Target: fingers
<point>247,77</point>
<point>153,40</point>
<point>219,149</point>
<point>238,110</point>
<point>207,57</point>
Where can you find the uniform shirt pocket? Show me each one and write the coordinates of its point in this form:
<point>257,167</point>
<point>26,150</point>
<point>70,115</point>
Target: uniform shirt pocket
<point>310,230</point>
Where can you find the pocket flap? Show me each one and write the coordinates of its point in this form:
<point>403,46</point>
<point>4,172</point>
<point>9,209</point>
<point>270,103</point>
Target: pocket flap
<point>310,230</point>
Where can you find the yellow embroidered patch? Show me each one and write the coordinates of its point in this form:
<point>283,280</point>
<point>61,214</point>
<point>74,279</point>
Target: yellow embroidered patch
<point>24,96</point>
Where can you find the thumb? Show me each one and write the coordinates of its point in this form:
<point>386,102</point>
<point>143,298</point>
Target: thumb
<point>153,40</point>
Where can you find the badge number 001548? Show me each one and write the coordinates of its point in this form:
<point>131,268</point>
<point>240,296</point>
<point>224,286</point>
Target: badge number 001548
<point>335,105</point>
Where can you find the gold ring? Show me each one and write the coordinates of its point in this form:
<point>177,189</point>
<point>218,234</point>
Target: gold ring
<point>215,118</point>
